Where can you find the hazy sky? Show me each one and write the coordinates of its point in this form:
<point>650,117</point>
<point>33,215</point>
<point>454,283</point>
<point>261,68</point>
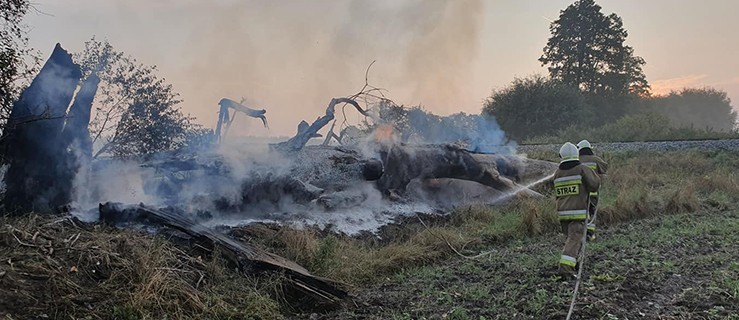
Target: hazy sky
<point>292,57</point>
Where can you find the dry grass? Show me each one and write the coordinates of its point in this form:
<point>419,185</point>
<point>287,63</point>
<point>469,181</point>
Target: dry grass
<point>63,269</point>
<point>351,260</point>
<point>683,200</point>
<point>631,203</point>
<point>538,217</point>
<point>475,215</point>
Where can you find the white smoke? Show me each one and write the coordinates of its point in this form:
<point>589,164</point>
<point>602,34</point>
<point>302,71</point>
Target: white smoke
<point>425,45</point>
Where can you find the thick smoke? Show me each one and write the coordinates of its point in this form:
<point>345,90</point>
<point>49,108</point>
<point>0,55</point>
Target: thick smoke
<point>213,187</point>
<point>474,132</point>
<point>238,182</point>
<point>478,133</point>
<point>423,49</point>
<point>490,138</point>
<point>113,180</point>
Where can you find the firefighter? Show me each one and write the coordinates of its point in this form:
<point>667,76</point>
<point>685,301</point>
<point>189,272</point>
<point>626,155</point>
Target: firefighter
<point>590,160</point>
<point>573,183</point>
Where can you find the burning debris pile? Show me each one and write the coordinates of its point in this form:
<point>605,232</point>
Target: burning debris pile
<point>331,185</point>
<point>362,183</point>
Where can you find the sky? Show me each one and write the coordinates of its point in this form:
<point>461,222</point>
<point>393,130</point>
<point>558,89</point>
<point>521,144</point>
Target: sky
<point>292,57</point>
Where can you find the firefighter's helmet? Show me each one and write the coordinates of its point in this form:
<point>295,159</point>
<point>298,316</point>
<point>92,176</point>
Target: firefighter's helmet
<point>568,152</point>
<point>583,144</point>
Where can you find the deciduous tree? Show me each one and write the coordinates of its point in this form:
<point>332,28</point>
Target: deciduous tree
<point>136,112</point>
<point>587,50</point>
<point>17,60</point>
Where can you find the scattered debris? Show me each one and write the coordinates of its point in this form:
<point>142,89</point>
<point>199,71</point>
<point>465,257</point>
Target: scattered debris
<point>248,258</point>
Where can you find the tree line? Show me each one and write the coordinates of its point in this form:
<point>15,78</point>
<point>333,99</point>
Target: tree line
<point>596,82</point>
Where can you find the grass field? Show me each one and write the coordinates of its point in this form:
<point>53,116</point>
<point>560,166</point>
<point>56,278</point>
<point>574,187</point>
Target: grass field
<point>681,266</point>
<point>667,250</point>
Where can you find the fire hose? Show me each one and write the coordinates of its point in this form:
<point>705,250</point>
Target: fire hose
<point>582,260</point>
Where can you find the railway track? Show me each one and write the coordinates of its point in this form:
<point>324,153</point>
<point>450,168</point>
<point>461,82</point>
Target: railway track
<point>717,144</point>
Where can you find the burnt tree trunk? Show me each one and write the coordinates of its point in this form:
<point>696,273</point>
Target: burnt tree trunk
<point>76,130</point>
<point>224,117</point>
<point>404,163</point>
<point>307,132</point>
<point>32,143</point>
<point>76,153</point>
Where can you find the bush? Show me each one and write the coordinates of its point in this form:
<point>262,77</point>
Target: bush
<point>636,127</point>
<point>135,112</point>
<point>536,106</point>
<point>608,108</point>
<point>705,108</point>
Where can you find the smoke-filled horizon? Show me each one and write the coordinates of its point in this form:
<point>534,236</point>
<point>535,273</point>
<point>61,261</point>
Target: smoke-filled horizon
<point>291,58</point>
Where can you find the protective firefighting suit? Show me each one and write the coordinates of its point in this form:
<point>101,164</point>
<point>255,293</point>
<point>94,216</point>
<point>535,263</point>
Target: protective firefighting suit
<point>590,160</point>
<point>573,183</point>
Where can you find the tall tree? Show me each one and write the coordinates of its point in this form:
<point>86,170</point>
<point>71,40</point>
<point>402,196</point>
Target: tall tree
<point>587,51</point>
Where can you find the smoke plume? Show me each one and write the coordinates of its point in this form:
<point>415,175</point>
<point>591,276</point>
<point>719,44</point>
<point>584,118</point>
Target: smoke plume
<point>423,50</point>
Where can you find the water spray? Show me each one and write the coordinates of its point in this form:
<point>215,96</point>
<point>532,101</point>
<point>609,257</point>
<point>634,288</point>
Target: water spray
<point>526,187</point>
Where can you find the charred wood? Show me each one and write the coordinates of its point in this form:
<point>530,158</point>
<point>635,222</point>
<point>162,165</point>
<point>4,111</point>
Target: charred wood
<point>247,257</point>
<point>335,168</point>
<point>307,132</point>
<point>76,129</point>
<point>404,163</point>
<point>254,113</point>
<point>225,118</point>
<point>331,135</point>
<point>32,145</point>
<point>271,190</point>
<point>75,142</point>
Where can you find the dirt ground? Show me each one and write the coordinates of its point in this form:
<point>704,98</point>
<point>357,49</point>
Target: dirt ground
<point>671,267</point>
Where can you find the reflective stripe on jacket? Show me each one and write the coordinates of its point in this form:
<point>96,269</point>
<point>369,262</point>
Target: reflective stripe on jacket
<point>573,183</point>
